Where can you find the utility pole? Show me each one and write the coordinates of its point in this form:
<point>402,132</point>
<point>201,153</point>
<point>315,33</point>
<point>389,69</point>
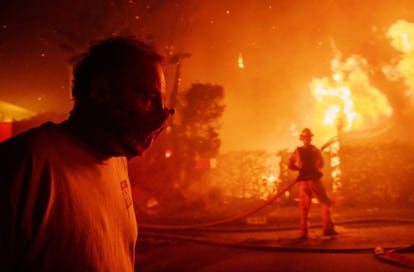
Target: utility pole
<point>176,59</point>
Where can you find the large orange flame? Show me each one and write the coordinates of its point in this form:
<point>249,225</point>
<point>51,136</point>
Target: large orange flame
<point>346,100</point>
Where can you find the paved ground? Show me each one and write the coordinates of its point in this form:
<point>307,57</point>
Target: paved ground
<point>273,245</point>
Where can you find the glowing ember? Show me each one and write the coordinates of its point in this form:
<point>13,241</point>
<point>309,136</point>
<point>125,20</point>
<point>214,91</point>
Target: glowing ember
<point>270,179</point>
<point>240,61</point>
<point>168,153</point>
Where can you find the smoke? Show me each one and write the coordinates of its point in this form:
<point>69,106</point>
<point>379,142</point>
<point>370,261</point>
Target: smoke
<point>263,98</point>
<point>285,45</point>
<point>284,48</point>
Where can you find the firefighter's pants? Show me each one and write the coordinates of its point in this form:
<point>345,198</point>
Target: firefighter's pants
<point>307,190</point>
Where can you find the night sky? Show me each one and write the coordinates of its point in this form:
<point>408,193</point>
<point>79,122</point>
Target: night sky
<point>284,44</point>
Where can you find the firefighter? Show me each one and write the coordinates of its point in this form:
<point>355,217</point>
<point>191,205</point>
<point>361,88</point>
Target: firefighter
<point>307,159</point>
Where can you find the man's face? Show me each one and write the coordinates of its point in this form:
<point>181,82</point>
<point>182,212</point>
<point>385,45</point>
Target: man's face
<point>138,110</point>
<point>306,140</point>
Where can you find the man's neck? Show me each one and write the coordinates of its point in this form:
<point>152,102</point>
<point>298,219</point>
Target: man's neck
<point>98,138</point>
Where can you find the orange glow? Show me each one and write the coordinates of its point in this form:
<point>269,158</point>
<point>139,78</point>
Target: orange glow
<point>152,202</point>
<point>270,179</point>
<point>168,153</point>
<point>240,61</point>
<point>11,112</point>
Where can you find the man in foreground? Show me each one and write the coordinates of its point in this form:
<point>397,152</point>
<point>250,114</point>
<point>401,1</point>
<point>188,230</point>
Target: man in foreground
<point>65,196</point>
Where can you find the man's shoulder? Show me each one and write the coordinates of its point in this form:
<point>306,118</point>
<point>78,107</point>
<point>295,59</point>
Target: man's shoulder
<point>314,146</point>
<point>32,137</point>
<point>35,142</point>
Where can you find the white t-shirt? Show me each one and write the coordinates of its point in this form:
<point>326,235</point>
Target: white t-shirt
<point>62,207</point>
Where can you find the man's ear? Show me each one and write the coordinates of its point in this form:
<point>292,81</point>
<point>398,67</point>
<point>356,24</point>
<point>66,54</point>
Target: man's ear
<point>99,92</point>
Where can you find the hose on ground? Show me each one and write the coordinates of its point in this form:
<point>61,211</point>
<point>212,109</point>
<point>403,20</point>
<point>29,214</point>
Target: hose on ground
<point>218,222</point>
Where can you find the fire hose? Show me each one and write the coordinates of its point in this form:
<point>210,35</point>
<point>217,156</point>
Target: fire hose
<point>218,222</point>
<point>389,255</point>
<point>394,256</point>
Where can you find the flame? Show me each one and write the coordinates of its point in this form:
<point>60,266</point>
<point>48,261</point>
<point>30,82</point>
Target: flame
<point>347,100</point>
<point>401,34</point>
<point>335,163</point>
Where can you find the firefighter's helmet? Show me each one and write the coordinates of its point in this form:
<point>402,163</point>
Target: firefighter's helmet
<point>306,132</point>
